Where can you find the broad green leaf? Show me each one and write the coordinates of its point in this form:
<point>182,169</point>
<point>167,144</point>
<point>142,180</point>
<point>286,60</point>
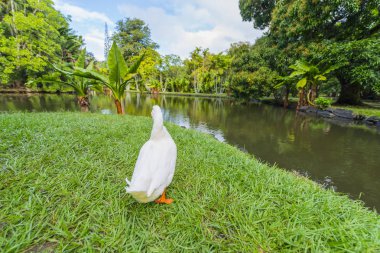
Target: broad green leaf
<point>81,59</point>
<point>332,68</point>
<point>301,83</point>
<point>301,66</point>
<point>90,66</point>
<point>279,85</point>
<point>116,64</point>
<point>136,65</point>
<point>129,76</point>
<point>297,73</point>
<point>89,74</point>
<point>320,77</point>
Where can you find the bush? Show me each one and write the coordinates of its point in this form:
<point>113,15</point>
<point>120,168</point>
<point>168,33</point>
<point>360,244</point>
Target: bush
<point>323,103</point>
<point>248,85</point>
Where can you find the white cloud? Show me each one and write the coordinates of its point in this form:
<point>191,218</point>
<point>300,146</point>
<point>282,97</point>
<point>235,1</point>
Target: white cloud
<point>177,26</point>
<point>95,42</point>
<point>79,14</point>
<point>89,24</point>
<point>210,24</point>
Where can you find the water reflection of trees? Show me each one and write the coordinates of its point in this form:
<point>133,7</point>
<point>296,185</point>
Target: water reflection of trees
<point>37,102</point>
<point>348,155</point>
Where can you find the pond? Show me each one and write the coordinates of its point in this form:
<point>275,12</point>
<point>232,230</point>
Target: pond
<point>346,158</point>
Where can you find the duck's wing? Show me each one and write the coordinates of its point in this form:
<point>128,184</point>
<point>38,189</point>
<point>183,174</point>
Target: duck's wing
<point>165,160</point>
<point>142,174</point>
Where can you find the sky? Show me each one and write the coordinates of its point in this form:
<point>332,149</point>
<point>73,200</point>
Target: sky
<point>178,26</point>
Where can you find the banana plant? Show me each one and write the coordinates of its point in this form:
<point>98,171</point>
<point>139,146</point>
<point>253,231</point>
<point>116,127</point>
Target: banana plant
<point>310,78</point>
<point>118,75</point>
<point>80,85</point>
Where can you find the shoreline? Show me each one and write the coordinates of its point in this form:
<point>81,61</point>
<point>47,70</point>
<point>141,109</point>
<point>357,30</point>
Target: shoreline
<point>331,114</point>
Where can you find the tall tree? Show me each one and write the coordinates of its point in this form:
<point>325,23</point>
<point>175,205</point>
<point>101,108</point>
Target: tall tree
<point>132,36</point>
<point>107,41</point>
<point>257,11</point>
<point>303,28</point>
<point>32,32</point>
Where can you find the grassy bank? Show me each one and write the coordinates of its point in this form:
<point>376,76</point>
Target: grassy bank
<point>62,189</point>
<point>367,109</point>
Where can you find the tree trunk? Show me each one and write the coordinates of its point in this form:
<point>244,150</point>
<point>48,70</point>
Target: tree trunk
<point>84,104</point>
<point>286,98</point>
<point>302,98</point>
<point>119,107</point>
<point>313,92</point>
<point>349,93</point>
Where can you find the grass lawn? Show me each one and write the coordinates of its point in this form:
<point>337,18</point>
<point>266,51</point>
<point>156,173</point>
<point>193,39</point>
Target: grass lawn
<point>62,189</point>
<point>367,109</point>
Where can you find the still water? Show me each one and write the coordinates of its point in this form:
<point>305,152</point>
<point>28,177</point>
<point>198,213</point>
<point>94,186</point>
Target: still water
<point>345,157</point>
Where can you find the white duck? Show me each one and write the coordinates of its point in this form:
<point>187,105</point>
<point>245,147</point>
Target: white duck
<point>155,164</point>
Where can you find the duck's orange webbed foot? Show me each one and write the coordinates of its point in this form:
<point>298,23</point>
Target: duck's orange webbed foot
<point>163,199</point>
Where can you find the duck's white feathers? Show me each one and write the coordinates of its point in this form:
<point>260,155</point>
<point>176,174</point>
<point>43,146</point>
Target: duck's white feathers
<point>155,166</point>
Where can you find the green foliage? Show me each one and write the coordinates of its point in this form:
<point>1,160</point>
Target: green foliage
<point>309,78</point>
<point>253,73</point>
<point>118,74</point>
<point>257,11</point>
<point>306,21</point>
<point>323,103</point>
<point>32,33</point>
<point>360,60</point>
<point>148,72</point>
<point>208,72</point>
<point>256,84</point>
<point>133,36</point>
<point>309,73</point>
<point>344,33</point>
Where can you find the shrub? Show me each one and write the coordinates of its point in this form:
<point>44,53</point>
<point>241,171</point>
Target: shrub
<point>323,103</point>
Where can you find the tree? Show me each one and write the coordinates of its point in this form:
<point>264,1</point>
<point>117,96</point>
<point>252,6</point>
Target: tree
<point>32,33</point>
<point>304,28</point>
<point>248,85</point>
<point>340,25</point>
<point>118,75</point>
<point>107,41</point>
<point>252,74</point>
<point>149,69</point>
<point>132,36</point>
<point>310,21</point>
<point>257,11</point>
<point>361,67</point>
<point>309,78</point>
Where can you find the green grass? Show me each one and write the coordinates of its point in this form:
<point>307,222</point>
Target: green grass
<point>62,189</point>
<point>362,110</point>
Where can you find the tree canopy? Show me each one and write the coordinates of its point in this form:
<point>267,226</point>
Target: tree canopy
<point>334,32</point>
<point>132,36</point>
<point>31,34</point>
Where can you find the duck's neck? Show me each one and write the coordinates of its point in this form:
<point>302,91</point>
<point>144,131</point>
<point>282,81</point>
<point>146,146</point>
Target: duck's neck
<point>157,130</point>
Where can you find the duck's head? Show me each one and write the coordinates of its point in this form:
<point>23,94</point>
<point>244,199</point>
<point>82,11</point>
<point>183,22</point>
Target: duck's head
<point>157,114</point>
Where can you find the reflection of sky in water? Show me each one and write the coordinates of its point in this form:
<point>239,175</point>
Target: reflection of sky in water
<point>181,120</point>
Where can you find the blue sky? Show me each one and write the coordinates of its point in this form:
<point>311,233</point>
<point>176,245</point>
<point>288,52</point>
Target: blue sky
<point>178,26</point>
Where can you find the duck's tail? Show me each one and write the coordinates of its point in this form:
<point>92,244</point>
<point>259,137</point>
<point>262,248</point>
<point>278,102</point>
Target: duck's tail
<point>128,182</point>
